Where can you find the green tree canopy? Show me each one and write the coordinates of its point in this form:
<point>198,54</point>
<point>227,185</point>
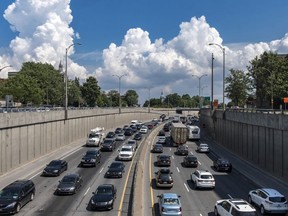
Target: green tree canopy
<point>90,91</point>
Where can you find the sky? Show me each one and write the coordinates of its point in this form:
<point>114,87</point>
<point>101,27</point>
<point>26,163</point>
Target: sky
<point>161,46</point>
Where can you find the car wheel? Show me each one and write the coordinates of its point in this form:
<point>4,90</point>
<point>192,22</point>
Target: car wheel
<point>250,200</point>
<point>18,207</point>
<point>215,211</point>
<point>262,210</point>
<point>32,196</point>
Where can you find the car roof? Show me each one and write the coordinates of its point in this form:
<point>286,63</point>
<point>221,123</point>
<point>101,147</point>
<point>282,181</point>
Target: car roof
<point>241,205</point>
<point>204,172</point>
<point>271,192</point>
<point>18,183</point>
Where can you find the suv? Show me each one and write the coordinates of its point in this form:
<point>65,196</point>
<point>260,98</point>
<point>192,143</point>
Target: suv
<point>182,150</point>
<point>269,200</point>
<point>203,179</point>
<point>132,143</point>
<point>91,158</point>
<point>230,207</point>
<point>126,152</point>
<point>17,194</point>
<point>108,145</point>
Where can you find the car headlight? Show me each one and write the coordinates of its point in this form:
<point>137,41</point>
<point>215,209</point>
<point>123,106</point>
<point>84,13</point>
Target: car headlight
<point>92,201</point>
<point>93,160</point>
<point>11,205</point>
<point>55,171</point>
<point>110,202</point>
<point>108,173</point>
<point>72,188</point>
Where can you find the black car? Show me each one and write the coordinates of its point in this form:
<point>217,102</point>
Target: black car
<point>166,127</point>
<point>134,128</point>
<point>119,131</point>
<point>190,161</point>
<point>222,164</point>
<point>69,184</point>
<point>163,160</point>
<point>128,132</point>
<point>137,136</point>
<point>108,145</point>
<point>15,195</point>
<point>91,158</point>
<point>182,150</point>
<point>103,198</point>
<point>55,168</point>
<point>157,148</point>
<point>115,170</point>
<point>110,135</point>
<point>163,178</point>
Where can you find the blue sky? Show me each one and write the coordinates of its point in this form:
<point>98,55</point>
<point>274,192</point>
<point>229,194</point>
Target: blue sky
<point>159,44</point>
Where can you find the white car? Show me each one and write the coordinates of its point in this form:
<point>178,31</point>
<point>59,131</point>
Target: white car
<point>231,207</point>
<point>203,179</point>
<point>269,200</point>
<point>120,137</point>
<point>126,152</point>
<point>203,147</point>
<point>132,143</point>
<point>144,129</point>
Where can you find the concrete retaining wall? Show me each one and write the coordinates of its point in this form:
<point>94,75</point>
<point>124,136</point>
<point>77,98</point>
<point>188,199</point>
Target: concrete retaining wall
<point>25,137</point>
<point>259,138</point>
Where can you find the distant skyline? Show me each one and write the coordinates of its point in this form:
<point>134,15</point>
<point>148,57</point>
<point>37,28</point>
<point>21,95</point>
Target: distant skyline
<point>159,44</point>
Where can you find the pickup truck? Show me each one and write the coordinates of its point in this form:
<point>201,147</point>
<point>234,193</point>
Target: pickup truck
<point>95,137</point>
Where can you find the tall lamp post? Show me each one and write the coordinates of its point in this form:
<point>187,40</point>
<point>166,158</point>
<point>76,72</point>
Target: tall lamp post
<point>5,67</point>
<point>149,101</point>
<point>223,50</point>
<point>66,79</point>
<point>119,77</point>
<point>199,78</point>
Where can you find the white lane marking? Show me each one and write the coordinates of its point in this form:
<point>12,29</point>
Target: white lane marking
<point>170,149</point>
<point>200,214</point>
<point>191,152</point>
<point>177,169</point>
<point>230,196</point>
<point>172,157</point>
<point>186,187</point>
<point>65,156</point>
<point>35,175</point>
<point>86,191</point>
<point>101,169</point>
<point>199,163</point>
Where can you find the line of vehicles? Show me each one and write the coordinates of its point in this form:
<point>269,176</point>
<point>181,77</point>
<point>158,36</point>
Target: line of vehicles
<point>268,200</point>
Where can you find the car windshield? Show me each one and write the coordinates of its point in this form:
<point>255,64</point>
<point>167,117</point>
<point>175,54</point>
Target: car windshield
<point>107,142</point>
<point>103,190</point>
<point>206,177</point>
<point>54,163</point>
<point>68,179</point>
<point>11,193</point>
<point>203,145</point>
<point>277,199</point>
<point>191,158</point>
<point>92,135</point>
<point>126,149</point>
<point>90,153</point>
<point>115,165</point>
<point>158,146</point>
<point>170,201</point>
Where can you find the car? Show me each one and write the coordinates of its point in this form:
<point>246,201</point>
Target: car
<point>150,126</point>
<point>157,148</point>
<point>126,152</point>
<point>137,136</point>
<point>132,143</point>
<point>163,160</point>
<point>139,125</point>
<point>55,168</point>
<point>103,197</point>
<point>163,178</point>
<point>235,206</point>
<point>115,170</point>
<point>119,130</point>
<point>222,164</point>
<point>91,158</point>
<point>69,184</point>
<point>203,179</point>
<point>269,200</point>
<point>95,137</point>
<point>128,132</point>
<point>203,147</point>
<point>161,139</point>
<point>167,127</point>
<point>15,195</point>
<point>190,161</point>
<point>144,129</point>
<point>169,204</point>
<point>134,128</point>
<point>108,145</point>
<point>125,127</point>
<point>120,137</point>
<point>182,150</point>
<point>110,135</point>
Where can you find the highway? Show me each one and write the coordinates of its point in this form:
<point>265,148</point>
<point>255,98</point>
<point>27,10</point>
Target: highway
<point>194,201</point>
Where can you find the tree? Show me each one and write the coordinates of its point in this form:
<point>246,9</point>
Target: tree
<point>74,93</point>
<point>238,87</point>
<point>131,98</point>
<point>90,91</point>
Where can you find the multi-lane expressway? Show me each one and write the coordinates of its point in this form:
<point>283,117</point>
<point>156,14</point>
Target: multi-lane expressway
<point>194,201</point>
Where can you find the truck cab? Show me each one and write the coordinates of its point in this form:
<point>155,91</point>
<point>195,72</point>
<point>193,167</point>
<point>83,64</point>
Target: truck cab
<point>95,137</point>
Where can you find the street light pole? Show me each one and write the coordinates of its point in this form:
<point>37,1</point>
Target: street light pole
<point>66,79</point>
<point>223,50</point>
<point>119,77</point>
<point>199,77</point>
<point>149,101</point>
<point>212,82</point>
<point>5,67</point>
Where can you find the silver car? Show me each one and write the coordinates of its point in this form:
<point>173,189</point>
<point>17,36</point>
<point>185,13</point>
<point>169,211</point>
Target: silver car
<point>203,147</point>
<point>169,204</point>
<point>120,137</point>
